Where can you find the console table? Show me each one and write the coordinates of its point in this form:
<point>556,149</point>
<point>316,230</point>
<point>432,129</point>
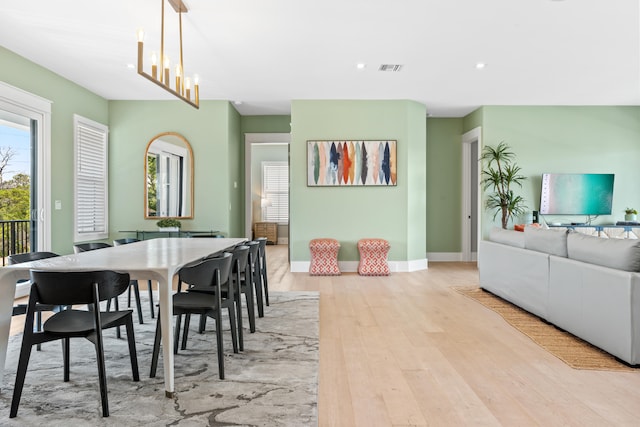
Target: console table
<point>604,230</point>
<point>152,234</point>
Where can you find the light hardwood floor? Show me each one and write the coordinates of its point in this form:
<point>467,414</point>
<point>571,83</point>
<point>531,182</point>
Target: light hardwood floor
<point>408,350</point>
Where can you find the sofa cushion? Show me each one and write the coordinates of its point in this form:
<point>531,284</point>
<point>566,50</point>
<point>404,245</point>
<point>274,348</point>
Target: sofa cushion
<point>553,242</point>
<point>621,254</point>
<point>507,237</point>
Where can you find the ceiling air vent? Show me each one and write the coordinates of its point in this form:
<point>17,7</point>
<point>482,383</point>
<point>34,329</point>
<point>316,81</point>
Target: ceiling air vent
<point>390,67</point>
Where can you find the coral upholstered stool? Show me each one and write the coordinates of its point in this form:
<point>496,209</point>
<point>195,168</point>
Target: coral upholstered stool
<point>324,257</point>
<point>373,257</point>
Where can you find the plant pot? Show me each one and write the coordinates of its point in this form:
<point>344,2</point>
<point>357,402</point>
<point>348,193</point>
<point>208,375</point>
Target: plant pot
<point>168,229</point>
<point>631,217</point>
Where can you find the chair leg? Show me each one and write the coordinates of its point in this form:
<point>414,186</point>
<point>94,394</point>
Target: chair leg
<point>156,349</point>
<point>219,342</point>
<point>136,294</point>
<point>258,288</point>
<point>150,298</point>
<point>185,331</point>
<point>265,281</point>
<point>66,356</point>
<point>238,303</point>
<point>129,296</point>
<point>132,350</point>
<point>176,338</point>
<point>251,309</point>
<point>117,304</point>
<point>203,323</point>
<point>38,327</point>
<point>102,375</point>
<point>25,354</point>
<point>232,322</point>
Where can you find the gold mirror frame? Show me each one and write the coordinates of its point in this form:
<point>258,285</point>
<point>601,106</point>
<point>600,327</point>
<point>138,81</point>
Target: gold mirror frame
<point>168,139</point>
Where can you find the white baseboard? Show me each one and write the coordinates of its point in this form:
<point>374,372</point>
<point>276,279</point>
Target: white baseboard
<point>352,266</point>
<point>449,256</point>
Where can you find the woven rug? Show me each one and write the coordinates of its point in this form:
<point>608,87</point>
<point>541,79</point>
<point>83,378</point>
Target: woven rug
<point>572,350</point>
<point>273,382</point>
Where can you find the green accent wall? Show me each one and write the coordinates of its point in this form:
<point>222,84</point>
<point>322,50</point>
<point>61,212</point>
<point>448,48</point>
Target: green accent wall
<point>581,139</point>
<point>351,213</point>
<point>67,99</point>
<point>210,132</point>
<point>444,184</point>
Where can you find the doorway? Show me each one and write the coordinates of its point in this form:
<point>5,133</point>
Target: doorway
<point>253,201</point>
<point>29,116</point>
<point>471,143</point>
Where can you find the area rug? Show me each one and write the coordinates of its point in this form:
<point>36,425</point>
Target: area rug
<point>273,382</point>
<point>572,350</point>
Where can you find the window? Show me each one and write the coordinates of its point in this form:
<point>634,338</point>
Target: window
<point>275,192</point>
<point>90,179</point>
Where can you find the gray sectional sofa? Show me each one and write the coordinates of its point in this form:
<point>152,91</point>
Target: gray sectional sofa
<point>588,286</point>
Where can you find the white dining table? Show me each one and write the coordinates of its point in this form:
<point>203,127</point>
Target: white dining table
<point>155,259</point>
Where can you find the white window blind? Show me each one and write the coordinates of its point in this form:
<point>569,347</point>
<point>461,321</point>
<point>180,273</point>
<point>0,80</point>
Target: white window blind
<point>90,179</point>
<point>275,192</point>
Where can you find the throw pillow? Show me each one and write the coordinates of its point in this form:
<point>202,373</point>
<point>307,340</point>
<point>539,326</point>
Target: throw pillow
<point>507,237</point>
<point>621,254</point>
<point>550,241</point>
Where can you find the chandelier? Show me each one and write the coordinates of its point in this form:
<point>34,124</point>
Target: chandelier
<point>162,77</point>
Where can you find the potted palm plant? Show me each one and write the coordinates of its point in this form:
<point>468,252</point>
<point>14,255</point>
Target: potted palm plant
<point>168,224</point>
<point>500,173</point>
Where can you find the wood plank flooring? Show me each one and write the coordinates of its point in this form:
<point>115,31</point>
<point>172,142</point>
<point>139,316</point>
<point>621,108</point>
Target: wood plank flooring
<point>408,350</point>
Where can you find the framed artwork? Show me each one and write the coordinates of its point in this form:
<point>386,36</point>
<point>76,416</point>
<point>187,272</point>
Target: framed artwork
<point>351,163</point>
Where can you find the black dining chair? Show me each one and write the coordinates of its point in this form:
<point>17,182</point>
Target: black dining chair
<point>134,284</point>
<point>263,267</point>
<point>255,275</point>
<point>22,308</point>
<point>207,275</point>
<point>237,280</point>
<point>75,288</point>
<point>93,246</point>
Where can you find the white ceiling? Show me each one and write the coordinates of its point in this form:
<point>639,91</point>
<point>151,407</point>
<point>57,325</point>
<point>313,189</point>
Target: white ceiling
<point>266,53</point>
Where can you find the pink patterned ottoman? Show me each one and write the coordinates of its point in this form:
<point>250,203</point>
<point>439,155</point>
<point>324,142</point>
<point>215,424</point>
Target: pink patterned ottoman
<point>373,257</point>
<point>324,257</point>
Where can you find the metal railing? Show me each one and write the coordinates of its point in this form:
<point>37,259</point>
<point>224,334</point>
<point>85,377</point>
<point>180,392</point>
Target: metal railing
<point>15,238</point>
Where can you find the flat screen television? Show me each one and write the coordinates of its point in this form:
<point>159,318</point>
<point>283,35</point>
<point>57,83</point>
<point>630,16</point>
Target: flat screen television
<point>576,194</point>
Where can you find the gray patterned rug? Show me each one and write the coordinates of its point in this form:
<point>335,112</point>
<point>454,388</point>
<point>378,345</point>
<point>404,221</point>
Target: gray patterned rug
<point>272,383</point>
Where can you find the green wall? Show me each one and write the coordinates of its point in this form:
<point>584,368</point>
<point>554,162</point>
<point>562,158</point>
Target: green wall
<point>209,131</point>
<point>349,214</point>
<point>444,184</point>
<point>67,99</point>
<point>569,140</point>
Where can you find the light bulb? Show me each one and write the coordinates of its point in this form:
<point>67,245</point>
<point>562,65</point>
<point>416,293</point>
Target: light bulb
<point>154,58</point>
<point>187,83</point>
<point>140,35</point>
<point>178,70</point>
<point>196,79</point>
<point>167,62</point>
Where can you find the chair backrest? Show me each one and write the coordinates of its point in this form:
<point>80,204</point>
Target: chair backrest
<point>240,258</point>
<point>30,256</point>
<point>202,275</point>
<point>77,287</point>
<point>125,241</point>
<point>263,245</point>
<point>84,247</point>
<point>254,253</point>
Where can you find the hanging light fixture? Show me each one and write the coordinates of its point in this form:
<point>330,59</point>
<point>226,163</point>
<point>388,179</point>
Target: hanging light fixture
<point>163,77</point>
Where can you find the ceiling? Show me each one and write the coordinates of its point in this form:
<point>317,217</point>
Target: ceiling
<point>261,54</point>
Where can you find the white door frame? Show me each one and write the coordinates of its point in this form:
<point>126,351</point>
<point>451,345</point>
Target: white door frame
<point>33,107</point>
<point>468,138</point>
<point>255,138</point>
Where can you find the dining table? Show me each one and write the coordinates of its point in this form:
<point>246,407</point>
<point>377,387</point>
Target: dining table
<point>155,259</point>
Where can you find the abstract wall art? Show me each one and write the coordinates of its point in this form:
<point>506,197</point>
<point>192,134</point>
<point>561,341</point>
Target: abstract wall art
<point>351,163</point>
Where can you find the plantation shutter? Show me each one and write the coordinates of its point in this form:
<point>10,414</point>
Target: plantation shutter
<point>90,179</point>
<point>275,192</point>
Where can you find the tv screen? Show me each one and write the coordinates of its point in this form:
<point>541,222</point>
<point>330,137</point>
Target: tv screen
<point>576,194</point>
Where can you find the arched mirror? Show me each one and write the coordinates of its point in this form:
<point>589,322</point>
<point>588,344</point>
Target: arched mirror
<point>168,171</point>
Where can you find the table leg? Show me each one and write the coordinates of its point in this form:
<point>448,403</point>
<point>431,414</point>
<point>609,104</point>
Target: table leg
<point>166,315</point>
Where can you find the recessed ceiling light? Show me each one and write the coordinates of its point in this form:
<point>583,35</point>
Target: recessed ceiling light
<point>131,66</point>
<point>361,66</point>
<point>480,65</point>
<point>237,102</point>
